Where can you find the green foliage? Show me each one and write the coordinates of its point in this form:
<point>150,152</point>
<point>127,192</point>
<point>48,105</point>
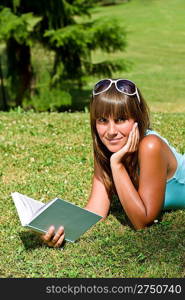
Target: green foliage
<point>57,25</point>
<point>75,35</point>
<point>106,35</point>
<point>17,27</point>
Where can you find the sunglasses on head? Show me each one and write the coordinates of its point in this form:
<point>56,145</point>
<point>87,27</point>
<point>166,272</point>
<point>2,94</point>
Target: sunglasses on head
<point>124,86</point>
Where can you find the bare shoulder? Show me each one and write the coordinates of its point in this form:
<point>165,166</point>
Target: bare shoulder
<point>150,144</point>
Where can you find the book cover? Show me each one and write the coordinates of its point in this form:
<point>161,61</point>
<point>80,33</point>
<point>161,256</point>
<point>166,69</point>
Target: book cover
<point>76,220</point>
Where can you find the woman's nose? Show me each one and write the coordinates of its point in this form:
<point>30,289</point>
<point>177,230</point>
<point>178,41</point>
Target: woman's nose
<point>112,128</point>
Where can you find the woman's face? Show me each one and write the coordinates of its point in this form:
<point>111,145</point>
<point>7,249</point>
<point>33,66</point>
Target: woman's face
<point>114,133</point>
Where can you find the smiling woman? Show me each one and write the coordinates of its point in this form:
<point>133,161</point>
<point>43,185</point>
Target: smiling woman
<point>116,105</point>
<point>130,160</point>
<point>114,133</point>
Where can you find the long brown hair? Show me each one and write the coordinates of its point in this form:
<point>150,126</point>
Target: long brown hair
<point>112,103</point>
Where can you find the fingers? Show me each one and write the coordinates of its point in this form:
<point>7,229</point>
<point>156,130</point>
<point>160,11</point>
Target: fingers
<point>133,138</point>
<point>59,242</point>
<point>58,237</point>
<point>47,237</point>
<point>53,239</point>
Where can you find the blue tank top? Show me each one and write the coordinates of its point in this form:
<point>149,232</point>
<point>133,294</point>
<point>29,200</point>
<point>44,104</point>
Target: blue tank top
<point>175,186</point>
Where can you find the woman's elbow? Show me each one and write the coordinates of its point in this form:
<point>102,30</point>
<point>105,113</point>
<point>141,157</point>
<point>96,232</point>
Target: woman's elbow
<point>139,226</point>
<point>146,222</point>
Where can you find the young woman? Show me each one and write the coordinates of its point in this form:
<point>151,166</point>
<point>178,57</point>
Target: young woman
<point>130,160</point>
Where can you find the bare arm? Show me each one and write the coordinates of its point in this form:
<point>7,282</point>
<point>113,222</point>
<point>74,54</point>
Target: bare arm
<point>99,201</point>
<point>143,205</point>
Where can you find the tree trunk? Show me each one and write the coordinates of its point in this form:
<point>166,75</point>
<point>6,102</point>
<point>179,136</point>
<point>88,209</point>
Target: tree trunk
<point>19,69</point>
<point>4,100</point>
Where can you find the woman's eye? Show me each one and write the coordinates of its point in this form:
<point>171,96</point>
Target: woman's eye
<point>118,120</point>
<point>102,120</point>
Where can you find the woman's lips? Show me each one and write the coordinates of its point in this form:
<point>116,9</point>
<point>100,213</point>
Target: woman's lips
<point>114,141</point>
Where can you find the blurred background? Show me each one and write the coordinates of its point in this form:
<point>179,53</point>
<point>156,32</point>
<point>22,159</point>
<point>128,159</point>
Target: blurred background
<point>52,52</point>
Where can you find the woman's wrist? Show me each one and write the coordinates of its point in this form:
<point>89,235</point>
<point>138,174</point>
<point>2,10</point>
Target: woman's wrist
<point>117,158</point>
<point>114,163</point>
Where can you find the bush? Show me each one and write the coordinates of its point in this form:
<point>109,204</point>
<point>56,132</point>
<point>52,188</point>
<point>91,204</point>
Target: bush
<point>49,100</point>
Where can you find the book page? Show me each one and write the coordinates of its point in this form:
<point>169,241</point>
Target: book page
<point>26,207</point>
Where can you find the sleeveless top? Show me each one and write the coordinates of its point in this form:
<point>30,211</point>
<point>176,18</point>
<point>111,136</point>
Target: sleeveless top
<point>175,186</point>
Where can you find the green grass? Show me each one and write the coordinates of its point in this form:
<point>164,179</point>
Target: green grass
<point>155,50</point>
<point>48,155</point>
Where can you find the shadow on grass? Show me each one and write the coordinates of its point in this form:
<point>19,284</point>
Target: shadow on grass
<point>32,240</point>
<point>118,212</point>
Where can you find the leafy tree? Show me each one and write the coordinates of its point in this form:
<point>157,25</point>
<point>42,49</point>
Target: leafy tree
<point>17,31</point>
<point>59,26</point>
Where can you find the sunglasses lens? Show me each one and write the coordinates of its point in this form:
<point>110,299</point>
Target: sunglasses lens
<point>101,86</point>
<point>126,86</point>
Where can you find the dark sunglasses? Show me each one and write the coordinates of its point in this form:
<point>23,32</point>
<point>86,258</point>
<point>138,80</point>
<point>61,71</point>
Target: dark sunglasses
<point>124,86</point>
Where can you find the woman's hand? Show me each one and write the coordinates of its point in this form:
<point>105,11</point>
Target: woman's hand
<point>53,239</point>
<point>130,146</point>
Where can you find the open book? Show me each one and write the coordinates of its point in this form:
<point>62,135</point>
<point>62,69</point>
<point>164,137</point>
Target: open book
<point>39,216</point>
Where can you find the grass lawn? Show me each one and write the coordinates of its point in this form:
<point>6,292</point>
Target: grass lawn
<point>48,155</point>
<point>155,49</point>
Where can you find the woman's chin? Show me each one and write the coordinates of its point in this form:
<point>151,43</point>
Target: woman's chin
<point>114,148</point>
